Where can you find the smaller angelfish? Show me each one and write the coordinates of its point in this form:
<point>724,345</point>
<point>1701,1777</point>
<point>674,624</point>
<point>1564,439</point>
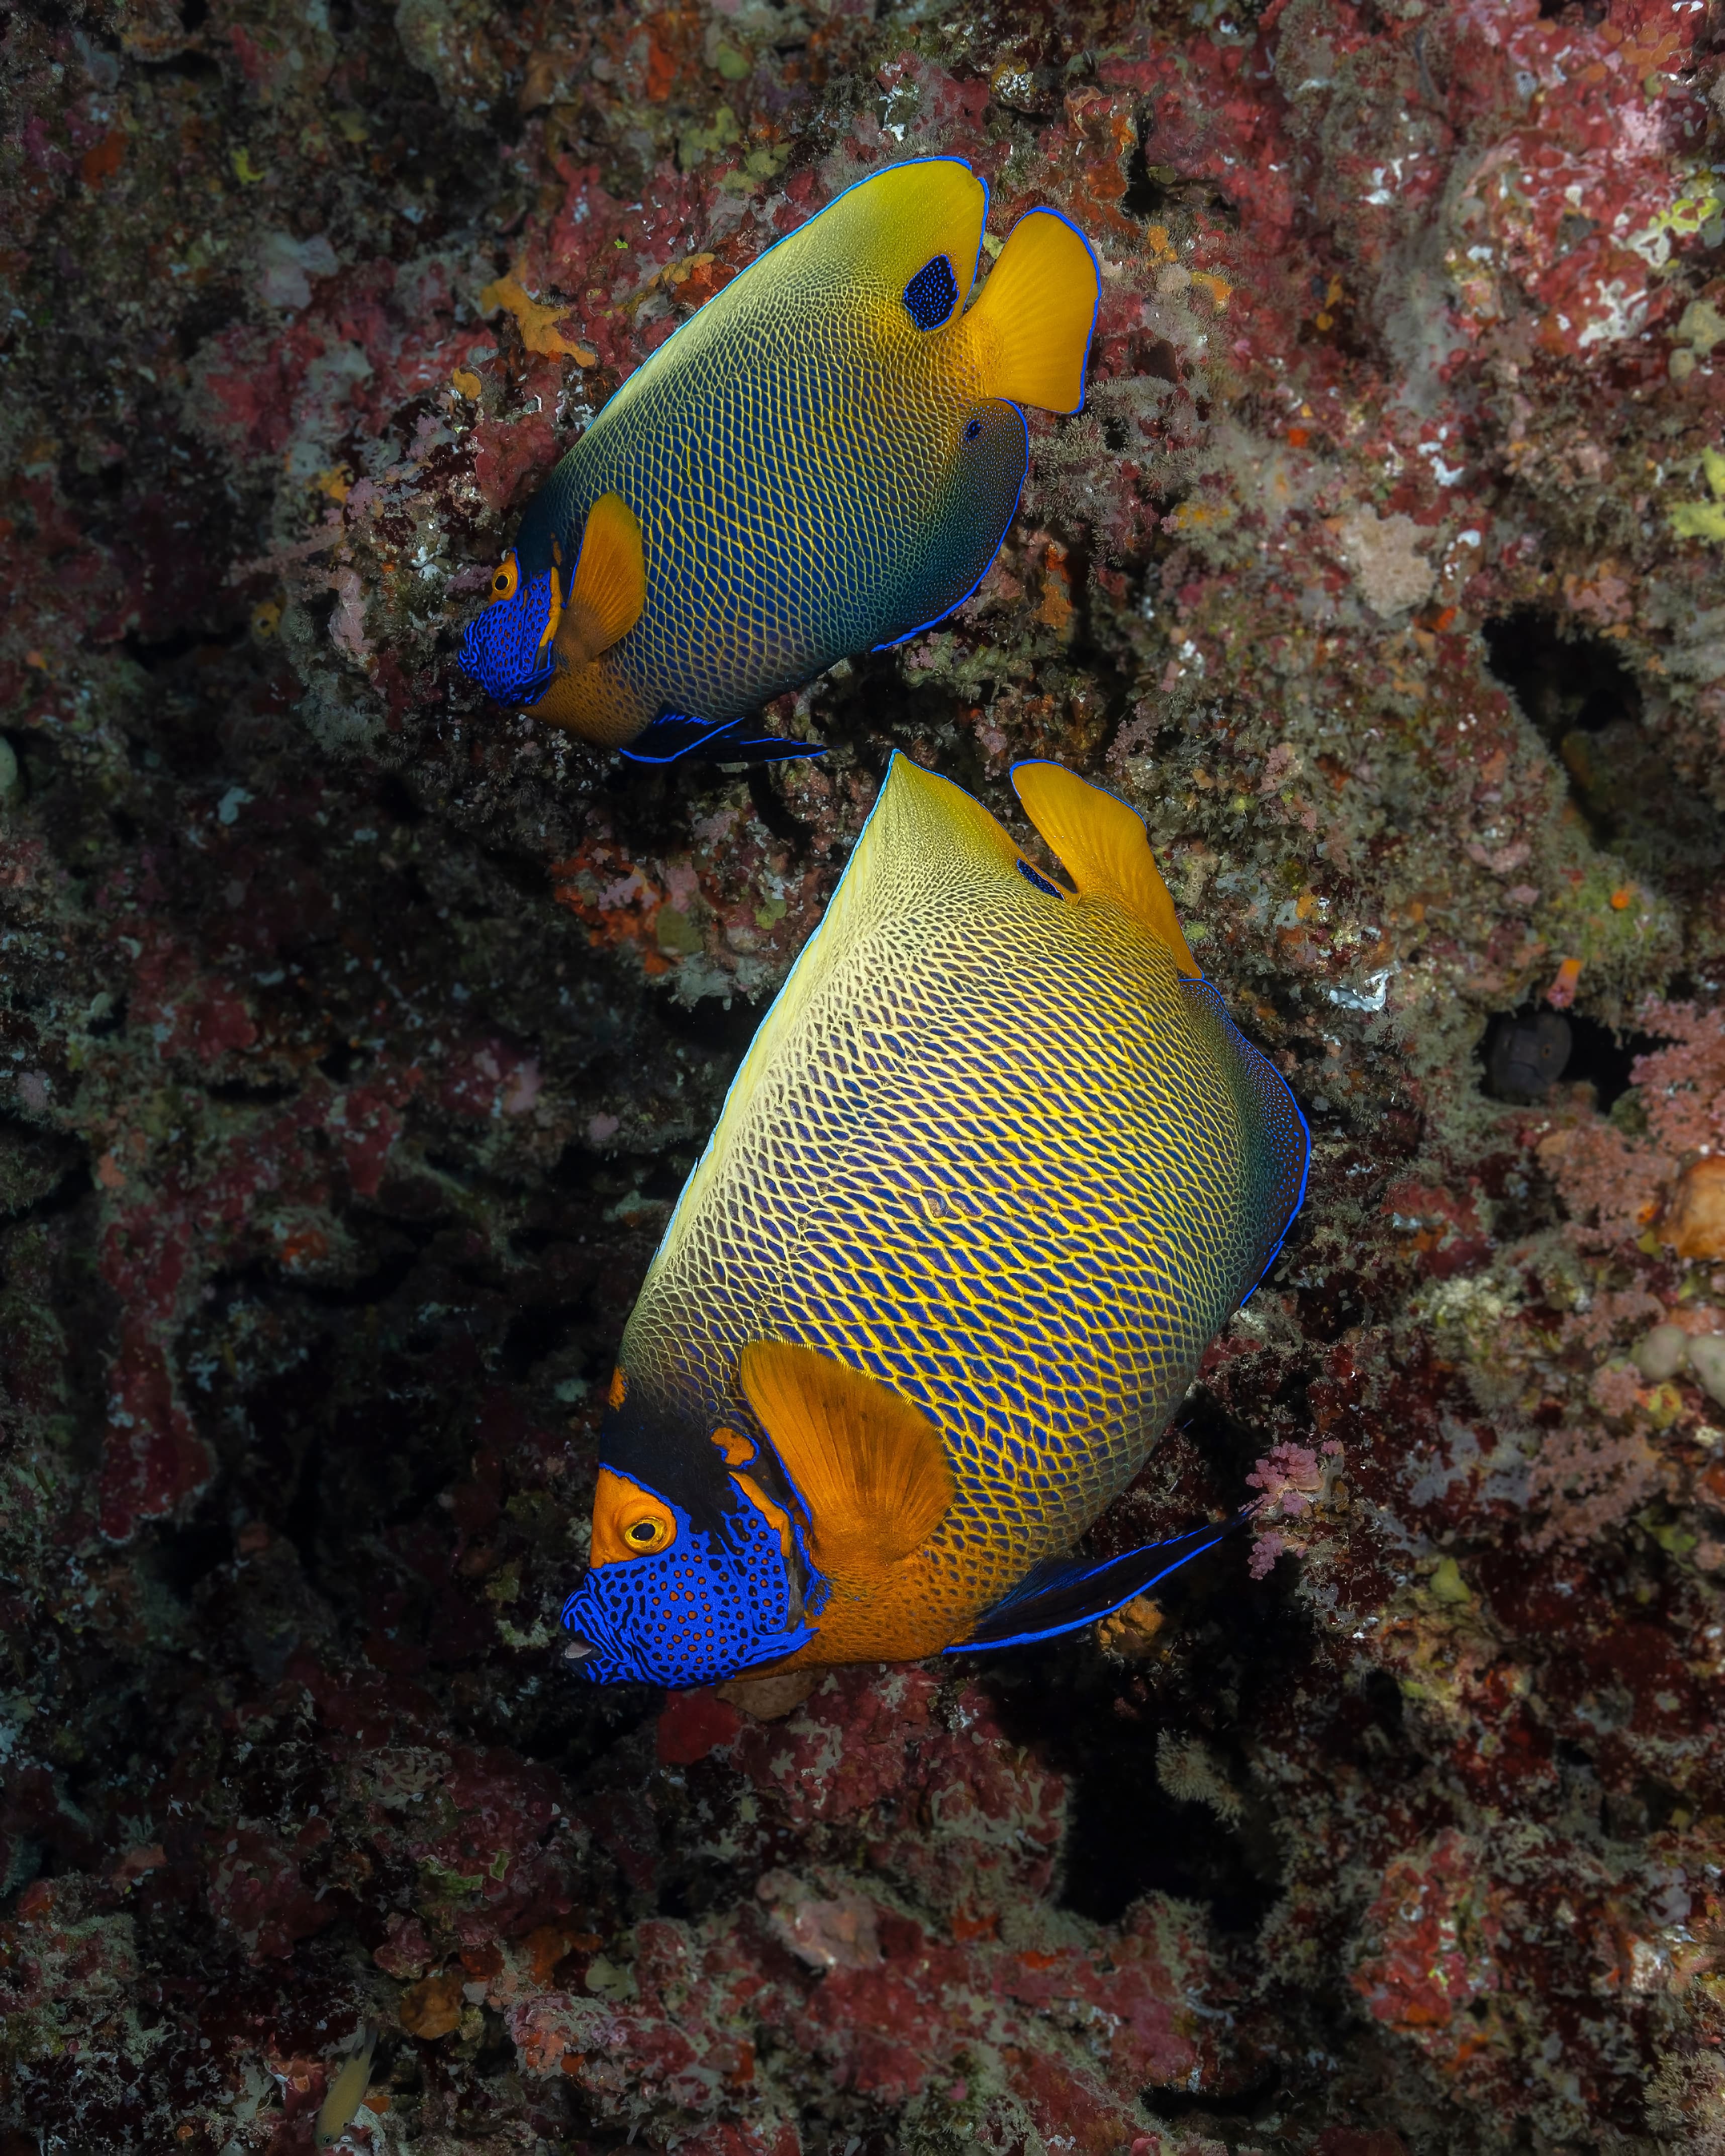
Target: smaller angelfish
<point>825,458</point>
<point>346,2093</point>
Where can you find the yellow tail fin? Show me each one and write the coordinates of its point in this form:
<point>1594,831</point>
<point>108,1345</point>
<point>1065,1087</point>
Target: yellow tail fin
<point>1031,325</point>
<point>870,1466</point>
<point>610,586</point>
<point>1104,848</point>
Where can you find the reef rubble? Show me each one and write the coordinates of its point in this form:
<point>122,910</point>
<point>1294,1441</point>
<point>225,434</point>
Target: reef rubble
<point>355,1036</point>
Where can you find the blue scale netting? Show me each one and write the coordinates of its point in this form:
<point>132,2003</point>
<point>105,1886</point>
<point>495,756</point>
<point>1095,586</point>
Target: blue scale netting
<point>932,293</point>
<point>1041,882</point>
<point>701,1610</point>
<point>500,648</point>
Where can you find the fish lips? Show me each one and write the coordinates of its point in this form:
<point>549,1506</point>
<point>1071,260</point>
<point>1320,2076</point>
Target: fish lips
<point>592,1643</point>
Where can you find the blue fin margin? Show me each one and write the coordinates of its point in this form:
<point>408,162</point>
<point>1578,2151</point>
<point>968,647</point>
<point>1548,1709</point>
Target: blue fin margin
<point>674,737</point>
<point>1062,1594</point>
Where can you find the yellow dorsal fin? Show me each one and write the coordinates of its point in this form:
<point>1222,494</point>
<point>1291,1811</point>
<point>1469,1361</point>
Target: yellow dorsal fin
<point>609,587</point>
<point>1104,848</point>
<point>869,1466</point>
<point>1030,329</point>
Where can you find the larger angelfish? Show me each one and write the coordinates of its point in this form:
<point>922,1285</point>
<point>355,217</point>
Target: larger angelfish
<point>825,458</point>
<point>996,1168</point>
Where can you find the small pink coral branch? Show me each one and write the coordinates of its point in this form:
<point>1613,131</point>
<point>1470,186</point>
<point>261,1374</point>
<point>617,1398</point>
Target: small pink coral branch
<point>1289,1476</point>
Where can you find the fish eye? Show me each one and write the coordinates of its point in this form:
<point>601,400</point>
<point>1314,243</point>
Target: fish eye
<point>972,430</point>
<point>628,1521</point>
<point>507,577</point>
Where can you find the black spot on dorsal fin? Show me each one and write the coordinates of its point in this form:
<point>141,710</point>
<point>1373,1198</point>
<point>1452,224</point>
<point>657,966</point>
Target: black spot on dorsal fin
<point>932,293</point>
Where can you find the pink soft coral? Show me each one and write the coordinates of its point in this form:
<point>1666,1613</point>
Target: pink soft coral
<point>1612,1185</point>
<point>1585,1483</point>
<point>1289,1476</point>
<point>1683,1086</point>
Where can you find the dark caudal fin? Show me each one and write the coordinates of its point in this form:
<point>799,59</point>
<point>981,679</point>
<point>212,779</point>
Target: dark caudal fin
<point>676,738</point>
<point>1278,1151</point>
<point>1030,329</point>
<point>1064,1594</point>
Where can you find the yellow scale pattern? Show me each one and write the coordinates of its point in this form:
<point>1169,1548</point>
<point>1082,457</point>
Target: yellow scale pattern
<point>795,455</point>
<point>991,1149</point>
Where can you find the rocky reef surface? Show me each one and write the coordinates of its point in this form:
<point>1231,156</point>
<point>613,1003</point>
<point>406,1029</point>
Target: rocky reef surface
<point>355,1037</point>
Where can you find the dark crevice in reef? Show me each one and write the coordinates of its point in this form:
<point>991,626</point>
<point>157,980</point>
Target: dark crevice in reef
<point>186,1554</point>
<point>1587,706</point>
<point>1155,190</point>
<point>1120,1737</point>
<point>1564,684</point>
<point>1240,2108</point>
<point>1127,1734</point>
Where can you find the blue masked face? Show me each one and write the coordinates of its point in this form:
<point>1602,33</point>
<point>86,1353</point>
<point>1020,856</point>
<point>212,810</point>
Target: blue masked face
<point>507,649</point>
<point>667,1602</point>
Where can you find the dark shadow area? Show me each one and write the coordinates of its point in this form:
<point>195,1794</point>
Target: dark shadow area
<point>1587,705</point>
<point>1154,190</point>
<point>1604,1058</point>
<point>1240,2108</point>
<point>189,1553</point>
<point>1119,1731</point>
<point>536,1334</point>
<point>1564,684</point>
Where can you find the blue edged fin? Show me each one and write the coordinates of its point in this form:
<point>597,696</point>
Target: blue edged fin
<point>1279,1156</point>
<point>1103,846</point>
<point>1063,1594</point>
<point>1030,331</point>
<point>674,737</point>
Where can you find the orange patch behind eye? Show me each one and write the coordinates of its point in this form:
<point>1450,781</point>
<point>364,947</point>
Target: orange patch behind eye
<point>507,577</point>
<point>775,1516</point>
<point>619,1386</point>
<point>628,1521</point>
<point>738,1449</point>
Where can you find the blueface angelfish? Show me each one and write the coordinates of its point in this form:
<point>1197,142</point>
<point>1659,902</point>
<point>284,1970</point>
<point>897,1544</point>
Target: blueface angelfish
<point>825,458</point>
<point>996,1167</point>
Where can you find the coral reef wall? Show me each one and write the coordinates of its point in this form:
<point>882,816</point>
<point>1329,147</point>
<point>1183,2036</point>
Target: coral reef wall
<point>355,1037</point>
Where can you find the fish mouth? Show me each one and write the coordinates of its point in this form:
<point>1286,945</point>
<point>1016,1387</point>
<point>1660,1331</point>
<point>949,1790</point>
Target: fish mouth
<point>591,1642</point>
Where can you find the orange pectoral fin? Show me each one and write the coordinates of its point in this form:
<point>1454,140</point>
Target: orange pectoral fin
<point>608,590</point>
<point>869,1466</point>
